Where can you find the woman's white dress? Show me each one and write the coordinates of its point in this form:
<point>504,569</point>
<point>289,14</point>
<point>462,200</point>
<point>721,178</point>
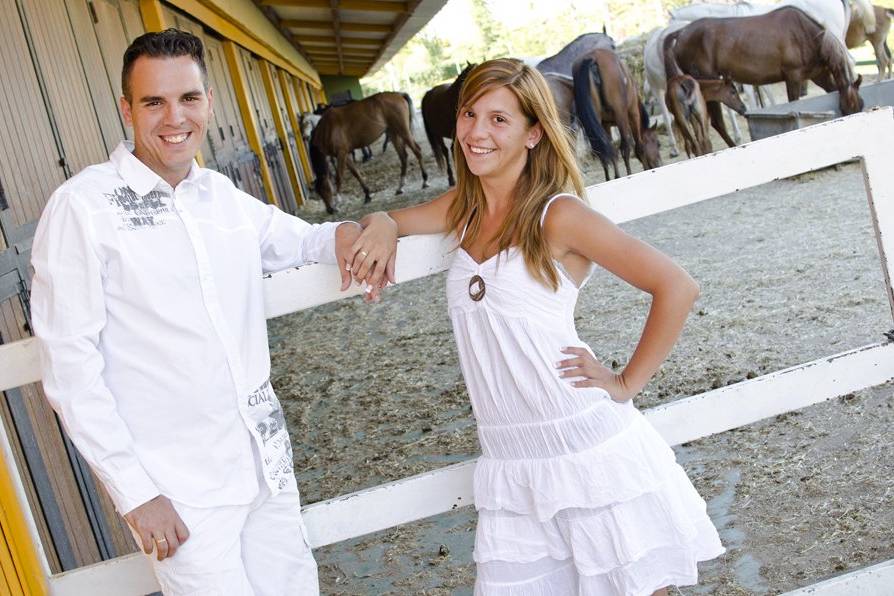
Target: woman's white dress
<point>576,493</point>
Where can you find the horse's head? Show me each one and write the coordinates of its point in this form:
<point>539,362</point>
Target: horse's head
<point>648,153</point>
<point>849,100</point>
<point>729,95</point>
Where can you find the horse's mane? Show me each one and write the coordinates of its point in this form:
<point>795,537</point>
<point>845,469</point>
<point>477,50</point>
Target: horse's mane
<point>834,54</point>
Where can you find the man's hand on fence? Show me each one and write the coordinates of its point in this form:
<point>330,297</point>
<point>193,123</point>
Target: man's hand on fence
<point>159,527</point>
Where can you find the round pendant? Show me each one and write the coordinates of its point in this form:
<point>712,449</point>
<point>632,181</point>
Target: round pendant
<point>476,288</point>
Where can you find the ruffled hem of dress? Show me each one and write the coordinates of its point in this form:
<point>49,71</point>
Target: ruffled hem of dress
<point>603,539</point>
<point>634,462</point>
<point>641,579</point>
<point>660,566</point>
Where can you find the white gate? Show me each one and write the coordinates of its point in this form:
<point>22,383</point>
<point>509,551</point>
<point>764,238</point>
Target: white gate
<point>865,136</point>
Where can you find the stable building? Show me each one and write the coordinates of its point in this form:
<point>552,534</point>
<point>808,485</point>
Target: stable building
<point>60,79</point>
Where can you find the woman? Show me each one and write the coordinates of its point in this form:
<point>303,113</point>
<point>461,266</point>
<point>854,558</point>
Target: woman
<point>576,492</point>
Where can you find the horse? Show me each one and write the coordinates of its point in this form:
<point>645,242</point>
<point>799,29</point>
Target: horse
<point>357,124</point>
<point>439,117</point>
<point>605,94</point>
<point>562,61</point>
<point>685,101</point>
<point>562,90</point>
<point>782,45</point>
<point>876,33</point>
<point>832,15</point>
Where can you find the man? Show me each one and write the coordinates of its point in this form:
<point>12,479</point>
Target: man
<point>148,305</point>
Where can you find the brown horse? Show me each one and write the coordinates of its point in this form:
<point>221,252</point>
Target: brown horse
<point>687,98</point>
<point>439,116</point>
<point>605,94</point>
<point>782,45</point>
<point>345,128</point>
<point>686,103</point>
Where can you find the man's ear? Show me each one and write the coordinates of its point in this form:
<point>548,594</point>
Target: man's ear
<point>126,111</point>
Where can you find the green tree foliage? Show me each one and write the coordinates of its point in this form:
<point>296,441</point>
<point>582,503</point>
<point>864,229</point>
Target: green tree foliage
<point>492,28</point>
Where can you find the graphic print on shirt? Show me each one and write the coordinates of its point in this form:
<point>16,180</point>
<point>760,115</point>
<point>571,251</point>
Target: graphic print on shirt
<point>265,413</point>
<point>139,212</point>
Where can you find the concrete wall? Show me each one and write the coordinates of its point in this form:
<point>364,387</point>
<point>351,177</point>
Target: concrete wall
<point>334,84</point>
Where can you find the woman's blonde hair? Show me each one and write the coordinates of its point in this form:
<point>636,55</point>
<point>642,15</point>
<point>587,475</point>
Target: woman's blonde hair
<point>551,167</point>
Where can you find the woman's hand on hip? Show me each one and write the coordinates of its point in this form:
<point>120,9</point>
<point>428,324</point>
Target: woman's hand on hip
<point>589,372</point>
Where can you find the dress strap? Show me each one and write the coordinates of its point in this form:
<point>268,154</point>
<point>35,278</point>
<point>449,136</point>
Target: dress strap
<point>550,202</point>
<point>466,227</point>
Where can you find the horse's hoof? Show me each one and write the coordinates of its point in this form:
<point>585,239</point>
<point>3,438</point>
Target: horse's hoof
<point>674,153</point>
<point>367,199</point>
<point>425,185</point>
<point>398,192</point>
<point>331,210</point>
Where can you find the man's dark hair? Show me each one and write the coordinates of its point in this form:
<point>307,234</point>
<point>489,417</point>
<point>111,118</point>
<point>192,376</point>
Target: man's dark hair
<point>170,43</point>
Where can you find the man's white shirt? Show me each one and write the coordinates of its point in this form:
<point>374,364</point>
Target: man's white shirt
<point>148,305</point>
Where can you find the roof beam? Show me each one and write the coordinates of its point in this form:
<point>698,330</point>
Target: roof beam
<point>365,5</point>
<point>336,25</point>
<point>311,40</point>
<point>353,27</point>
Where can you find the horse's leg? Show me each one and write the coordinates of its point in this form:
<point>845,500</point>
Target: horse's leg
<point>675,150</point>
<point>417,151</point>
<point>402,155</point>
<point>367,196</point>
<point>451,181</point>
<point>792,89</point>
<point>716,115</point>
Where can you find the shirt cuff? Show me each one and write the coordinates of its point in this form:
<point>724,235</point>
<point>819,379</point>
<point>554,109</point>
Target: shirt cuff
<point>132,488</point>
<point>326,244</point>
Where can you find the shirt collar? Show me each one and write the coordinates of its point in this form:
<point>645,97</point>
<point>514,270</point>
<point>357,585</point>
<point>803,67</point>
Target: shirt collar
<point>140,177</point>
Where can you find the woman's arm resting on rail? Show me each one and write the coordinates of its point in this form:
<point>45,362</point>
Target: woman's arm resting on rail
<point>572,227</point>
<point>381,230</point>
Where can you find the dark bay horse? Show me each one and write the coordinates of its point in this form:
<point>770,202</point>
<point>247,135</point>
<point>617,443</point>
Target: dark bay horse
<point>357,124</point>
<point>782,45</point>
<point>605,94</point>
<point>562,89</point>
<point>562,61</point>
<point>439,116</point>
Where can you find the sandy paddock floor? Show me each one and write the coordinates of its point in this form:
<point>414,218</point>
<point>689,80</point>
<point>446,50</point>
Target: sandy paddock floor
<point>789,272</point>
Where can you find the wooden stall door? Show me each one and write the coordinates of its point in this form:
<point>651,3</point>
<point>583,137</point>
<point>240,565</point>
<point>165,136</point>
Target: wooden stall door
<point>272,148</point>
<point>49,128</point>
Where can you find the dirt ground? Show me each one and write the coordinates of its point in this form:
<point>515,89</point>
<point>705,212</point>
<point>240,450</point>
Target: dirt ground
<point>789,273</point>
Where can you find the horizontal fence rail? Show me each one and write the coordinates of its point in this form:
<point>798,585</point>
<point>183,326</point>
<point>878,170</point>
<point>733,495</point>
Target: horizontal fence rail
<point>865,136</point>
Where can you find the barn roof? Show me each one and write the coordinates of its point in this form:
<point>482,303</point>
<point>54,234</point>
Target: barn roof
<point>349,37</point>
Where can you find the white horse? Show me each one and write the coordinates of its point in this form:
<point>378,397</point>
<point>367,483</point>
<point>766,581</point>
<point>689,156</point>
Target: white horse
<point>833,15</point>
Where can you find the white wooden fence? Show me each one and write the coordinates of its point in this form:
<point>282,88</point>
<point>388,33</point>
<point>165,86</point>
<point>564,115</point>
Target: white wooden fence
<point>866,136</point>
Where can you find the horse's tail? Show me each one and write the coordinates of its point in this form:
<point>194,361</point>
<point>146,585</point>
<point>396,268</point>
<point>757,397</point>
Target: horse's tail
<point>865,12</point>
<point>671,67</point>
<point>433,139</point>
<point>318,163</point>
<point>409,101</point>
<point>600,142</point>
<point>643,114</point>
